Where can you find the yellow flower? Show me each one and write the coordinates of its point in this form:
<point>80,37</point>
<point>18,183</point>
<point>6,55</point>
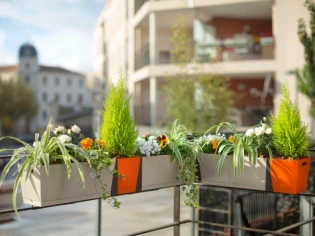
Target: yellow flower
<point>101,143</point>
<point>231,138</point>
<point>215,144</point>
<point>163,141</point>
<point>86,143</point>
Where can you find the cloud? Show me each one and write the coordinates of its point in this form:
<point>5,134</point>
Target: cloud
<point>6,57</point>
<point>67,25</point>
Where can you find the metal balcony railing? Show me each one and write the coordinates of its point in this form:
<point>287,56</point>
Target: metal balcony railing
<point>142,57</point>
<point>202,223</point>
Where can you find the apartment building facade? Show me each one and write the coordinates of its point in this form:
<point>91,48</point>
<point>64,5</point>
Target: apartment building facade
<point>253,42</point>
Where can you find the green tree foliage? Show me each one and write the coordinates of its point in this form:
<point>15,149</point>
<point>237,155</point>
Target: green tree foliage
<point>306,76</point>
<point>196,100</point>
<point>17,101</point>
<point>118,126</point>
<point>290,135</point>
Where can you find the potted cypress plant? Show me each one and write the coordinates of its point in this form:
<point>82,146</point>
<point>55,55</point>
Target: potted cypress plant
<point>270,158</point>
<point>290,167</point>
<point>119,132</point>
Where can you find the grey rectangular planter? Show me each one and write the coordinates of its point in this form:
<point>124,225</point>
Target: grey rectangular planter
<point>253,177</point>
<point>159,172</point>
<point>42,190</point>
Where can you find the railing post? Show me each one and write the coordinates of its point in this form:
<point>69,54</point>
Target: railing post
<point>177,210</point>
<point>99,217</point>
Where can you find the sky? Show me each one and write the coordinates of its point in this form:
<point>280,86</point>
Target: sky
<point>60,30</point>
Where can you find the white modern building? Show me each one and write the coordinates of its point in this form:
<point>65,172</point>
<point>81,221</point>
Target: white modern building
<point>60,93</point>
<point>253,42</point>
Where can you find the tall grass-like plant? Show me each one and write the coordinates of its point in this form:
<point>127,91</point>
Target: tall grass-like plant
<point>290,134</point>
<point>46,150</point>
<point>118,127</point>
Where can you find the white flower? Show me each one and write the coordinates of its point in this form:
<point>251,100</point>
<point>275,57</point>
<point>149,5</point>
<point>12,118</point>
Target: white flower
<point>36,144</point>
<point>64,138</point>
<point>250,132</point>
<point>268,131</point>
<point>75,129</point>
<point>59,129</point>
<point>69,131</point>
<point>259,130</point>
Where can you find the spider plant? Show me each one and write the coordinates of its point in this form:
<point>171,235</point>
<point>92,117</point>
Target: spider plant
<point>238,144</point>
<point>44,151</point>
<point>185,153</point>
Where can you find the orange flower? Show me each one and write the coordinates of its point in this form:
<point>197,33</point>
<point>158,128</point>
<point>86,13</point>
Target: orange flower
<point>101,142</point>
<point>231,138</point>
<point>215,144</point>
<point>86,143</point>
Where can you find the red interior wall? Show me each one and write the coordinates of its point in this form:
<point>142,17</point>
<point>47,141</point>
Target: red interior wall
<point>227,27</point>
<point>246,98</point>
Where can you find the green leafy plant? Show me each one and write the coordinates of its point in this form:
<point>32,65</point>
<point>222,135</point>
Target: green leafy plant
<point>255,142</point>
<point>101,161</point>
<point>118,127</point>
<point>48,149</point>
<point>184,152</point>
<point>290,134</point>
<point>201,100</point>
<point>306,76</point>
<point>208,143</point>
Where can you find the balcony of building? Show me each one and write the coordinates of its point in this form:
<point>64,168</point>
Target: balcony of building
<point>225,39</point>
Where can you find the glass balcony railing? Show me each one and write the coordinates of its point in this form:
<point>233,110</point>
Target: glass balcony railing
<point>218,51</point>
<point>235,50</point>
<point>142,57</point>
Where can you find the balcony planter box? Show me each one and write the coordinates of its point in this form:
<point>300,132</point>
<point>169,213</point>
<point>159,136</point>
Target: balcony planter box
<point>130,167</point>
<point>42,190</point>
<point>290,176</point>
<point>159,172</point>
<point>278,175</point>
<point>145,173</point>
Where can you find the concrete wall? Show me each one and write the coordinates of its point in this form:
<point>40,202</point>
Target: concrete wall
<point>289,50</point>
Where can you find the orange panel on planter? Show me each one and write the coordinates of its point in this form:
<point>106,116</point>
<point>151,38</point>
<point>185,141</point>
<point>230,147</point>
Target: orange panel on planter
<point>289,176</point>
<point>129,167</point>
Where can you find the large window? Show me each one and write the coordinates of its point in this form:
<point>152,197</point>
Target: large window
<point>44,97</point>
<point>69,82</point>
<point>81,83</point>
<point>57,81</point>
<point>44,80</point>
<point>68,97</point>
<point>44,115</point>
<point>27,79</point>
<point>56,97</point>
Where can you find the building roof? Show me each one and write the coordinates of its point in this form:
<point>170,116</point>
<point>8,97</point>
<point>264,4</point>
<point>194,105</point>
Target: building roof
<point>57,70</point>
<point>8,68</point>
<point>27,50</point>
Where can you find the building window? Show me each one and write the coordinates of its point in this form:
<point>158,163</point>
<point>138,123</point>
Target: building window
<point>81,82</point>
<point>27,79</point>
<point>56,97</point>
<point>44,97</point>
<point>69,81</point>
<point>57,81</point>
<point>44,115</point>
<point>27,66</point>
<point>69,97</point>
<point>80,99</point>
<point>44,80</point>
